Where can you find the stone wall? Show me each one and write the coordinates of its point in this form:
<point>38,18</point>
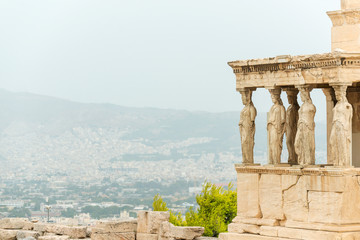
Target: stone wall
<point>149,226</point>
<point>296,203</point>
<point>23,229</point>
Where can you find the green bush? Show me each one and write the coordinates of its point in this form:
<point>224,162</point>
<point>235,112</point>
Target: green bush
<point>217,208</point>
<point>19,213</point>
<point>68,213</point>
<point>160,205</point>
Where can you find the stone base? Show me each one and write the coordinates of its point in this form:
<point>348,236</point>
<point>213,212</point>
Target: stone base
<point>279,233</point>
<point>310,203</point>
<point>237,236</point>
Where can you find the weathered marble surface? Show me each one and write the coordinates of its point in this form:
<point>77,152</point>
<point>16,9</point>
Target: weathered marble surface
<point>340,140</point>
<point>247,127</point>
<point>276,127</point>
<point>305,135</point>
<point>297,203</point>
<point>292,117</point>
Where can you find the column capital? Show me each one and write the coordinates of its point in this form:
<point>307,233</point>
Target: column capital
<point>241,90</point>
<point>276,91</point>
<point>304,87</point>
<point>340,84</point>
<point>291,91</point>
<point>272,87</point>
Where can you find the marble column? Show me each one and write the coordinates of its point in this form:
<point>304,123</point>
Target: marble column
<point>292,117</point>
<point>330,104</point>
<point>341,131</point>
<point>247,126</point>
<point>275,127</point>
<point>353,96</point>
<point>305,135</point>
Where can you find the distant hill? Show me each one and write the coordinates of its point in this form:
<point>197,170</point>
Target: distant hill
<point>40,123</point>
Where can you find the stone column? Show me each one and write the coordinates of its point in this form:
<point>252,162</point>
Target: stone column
<point>353,96</point>
<point>275,127</point>
<point>341,131</point>
<point>292,117</point>
<point>305,135</point>
<point>330,103</point>
<point>247,126</point>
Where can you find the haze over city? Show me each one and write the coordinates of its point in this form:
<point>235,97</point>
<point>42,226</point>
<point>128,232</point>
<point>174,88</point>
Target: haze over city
<point>162,54</point>
<point>106,103</point>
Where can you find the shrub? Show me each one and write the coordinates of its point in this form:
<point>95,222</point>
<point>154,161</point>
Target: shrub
<point>160,205</point>
<point>217,208</point>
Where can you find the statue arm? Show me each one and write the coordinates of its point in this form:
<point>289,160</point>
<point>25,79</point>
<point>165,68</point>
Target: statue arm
<point>240,122</point>
<point>349,106</point>
<point>283,116</point>
<point>282,119</point>
<point>253,114</point>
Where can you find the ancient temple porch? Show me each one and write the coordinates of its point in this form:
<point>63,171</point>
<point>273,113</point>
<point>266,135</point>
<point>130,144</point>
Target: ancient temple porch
<point>291,73</point>
<point>299,199</point>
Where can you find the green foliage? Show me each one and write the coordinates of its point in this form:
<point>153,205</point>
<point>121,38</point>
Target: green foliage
<point>69,213</point>
<point>4,209</point>
<point>217,208</point>
<point>192,217</point>
<point>177,219</point>
<point>19,212</point>
<point>159,204</point>
<point>99,212</point>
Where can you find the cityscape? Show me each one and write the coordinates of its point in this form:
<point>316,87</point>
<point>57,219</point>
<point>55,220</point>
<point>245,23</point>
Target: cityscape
<point>88,171</point>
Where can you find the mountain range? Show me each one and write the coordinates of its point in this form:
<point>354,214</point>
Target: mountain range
<point>35,127</point>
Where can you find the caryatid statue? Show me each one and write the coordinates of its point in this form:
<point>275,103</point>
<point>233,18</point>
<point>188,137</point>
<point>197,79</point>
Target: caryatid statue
<point>276,127</point>
<point>305,135</point>
<point>292,117</point>
<point>247,126</point>
<point>341,131</point>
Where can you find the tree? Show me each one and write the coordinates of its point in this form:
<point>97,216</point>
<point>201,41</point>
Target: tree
<point>160,205</point>
<point>69,213</point>
<point>20,212</point>
<point>99,212</point>
<point>4,209</point>
<point>217,208</point>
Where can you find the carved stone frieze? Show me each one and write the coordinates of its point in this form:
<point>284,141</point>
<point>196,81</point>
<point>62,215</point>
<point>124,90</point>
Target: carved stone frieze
<point>297,70</point>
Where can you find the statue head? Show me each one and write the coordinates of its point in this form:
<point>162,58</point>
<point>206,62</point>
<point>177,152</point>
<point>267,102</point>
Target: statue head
<point>305,93</point>
<point>292,96</point>
<point>340,93</point>
<point>246,96</point>
<point>275,96</point>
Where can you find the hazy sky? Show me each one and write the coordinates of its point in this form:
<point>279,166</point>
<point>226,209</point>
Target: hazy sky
<point>153,53</point>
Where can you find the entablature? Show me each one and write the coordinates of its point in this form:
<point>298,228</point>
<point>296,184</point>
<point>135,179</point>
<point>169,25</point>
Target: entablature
<point>283,71</point>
